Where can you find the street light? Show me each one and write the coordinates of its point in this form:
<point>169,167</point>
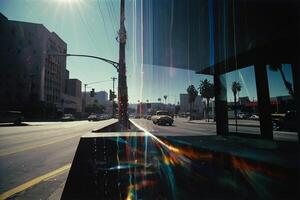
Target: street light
<point>121,69</point>
<point>122,91</point>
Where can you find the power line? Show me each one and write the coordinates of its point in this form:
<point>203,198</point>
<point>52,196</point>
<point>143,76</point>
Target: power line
<point>98,82</point>
<point>102,17</point>
<point>87,29</point>
<point>110,16</point>
<point>113,10</point>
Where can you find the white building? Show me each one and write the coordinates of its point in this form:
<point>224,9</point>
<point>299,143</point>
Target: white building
<point>101,97</point>
<point>185,106</point>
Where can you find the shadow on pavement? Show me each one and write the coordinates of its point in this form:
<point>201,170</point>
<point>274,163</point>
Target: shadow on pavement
<point>11,124</point>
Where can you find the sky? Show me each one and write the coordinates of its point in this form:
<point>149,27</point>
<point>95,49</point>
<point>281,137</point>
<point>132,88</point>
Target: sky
<point>91,26</point>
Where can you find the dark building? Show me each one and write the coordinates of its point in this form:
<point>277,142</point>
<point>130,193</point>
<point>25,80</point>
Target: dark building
<point>30,80</point>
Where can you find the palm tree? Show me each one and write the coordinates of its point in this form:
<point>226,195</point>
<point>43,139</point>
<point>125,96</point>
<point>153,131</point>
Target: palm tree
<point>288,85</point>
<point>165,97</point>
<point>235,87</point>
<point>207,91</point>
<point>192,93</point>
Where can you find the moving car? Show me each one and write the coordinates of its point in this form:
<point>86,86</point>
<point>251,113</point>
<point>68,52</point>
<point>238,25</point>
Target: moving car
<point>15,117</point>
<point>162,117</point>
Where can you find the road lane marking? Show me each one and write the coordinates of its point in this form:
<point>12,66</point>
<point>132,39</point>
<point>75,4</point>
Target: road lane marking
<point>34,181</point>
<point>17,150</point>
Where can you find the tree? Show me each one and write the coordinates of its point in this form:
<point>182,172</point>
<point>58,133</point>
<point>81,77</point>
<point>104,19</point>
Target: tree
<point>288,85</point>
<point>207,91</point>
<point>192,93</point>
<point>165,97</point>
<point>235,87</point>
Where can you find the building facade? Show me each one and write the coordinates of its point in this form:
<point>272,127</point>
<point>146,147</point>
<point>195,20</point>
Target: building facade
<point>31,80</point>
<point>185,106</point>
<point>101,97</point>
<point>72,98</point>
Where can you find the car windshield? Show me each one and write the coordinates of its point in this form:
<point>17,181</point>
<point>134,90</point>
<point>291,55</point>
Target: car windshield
<point>149,99</point>
<point>162,113</point>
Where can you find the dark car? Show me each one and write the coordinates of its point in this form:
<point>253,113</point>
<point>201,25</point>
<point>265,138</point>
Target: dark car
<point>15,117</point>
<point>287,121</point>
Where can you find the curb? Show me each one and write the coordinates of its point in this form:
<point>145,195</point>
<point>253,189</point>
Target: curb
<point>213,123</point>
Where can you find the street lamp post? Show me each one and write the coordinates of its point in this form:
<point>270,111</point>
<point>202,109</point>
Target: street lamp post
<point>121,68</point>
<point>122,103</point>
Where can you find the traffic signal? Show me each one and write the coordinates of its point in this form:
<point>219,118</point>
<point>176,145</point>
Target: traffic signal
<point>110,95</point>
<point>92,93</point>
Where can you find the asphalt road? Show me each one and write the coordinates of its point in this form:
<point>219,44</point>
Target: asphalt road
<point>182,126</point>
<point>28,152</point>
<point>35,159</point>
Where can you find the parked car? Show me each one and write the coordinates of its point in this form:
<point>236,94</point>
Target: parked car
<point>162,117</point>
<point>95,117</point>
<point>242,116</point>
<point>15,117</point>
<point>148,117</point>
<point>68,117</point>
<point>286,121</point>
<point>254,117</point>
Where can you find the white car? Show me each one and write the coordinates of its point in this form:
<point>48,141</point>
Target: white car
<point>254,117</point>
<point>95,117</point>
<point>68,117</point>
<point>162,117</point>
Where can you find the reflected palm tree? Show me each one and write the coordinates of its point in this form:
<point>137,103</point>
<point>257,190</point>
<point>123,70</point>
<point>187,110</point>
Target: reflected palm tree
<point>207,91</point>
<point>192,93</point>
<point>165,97</point>
<point>288,85</point>
<point>235,87</point>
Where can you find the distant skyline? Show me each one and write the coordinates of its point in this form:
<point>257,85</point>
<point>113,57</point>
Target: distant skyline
<point>91,26</point>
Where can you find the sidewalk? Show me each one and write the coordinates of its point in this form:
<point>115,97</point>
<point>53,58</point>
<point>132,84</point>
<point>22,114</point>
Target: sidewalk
<point>251,123</point>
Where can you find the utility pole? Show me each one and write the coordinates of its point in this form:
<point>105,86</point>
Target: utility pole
<point>113,98</point>
<point>122,82</point>
<point>84,104</point>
